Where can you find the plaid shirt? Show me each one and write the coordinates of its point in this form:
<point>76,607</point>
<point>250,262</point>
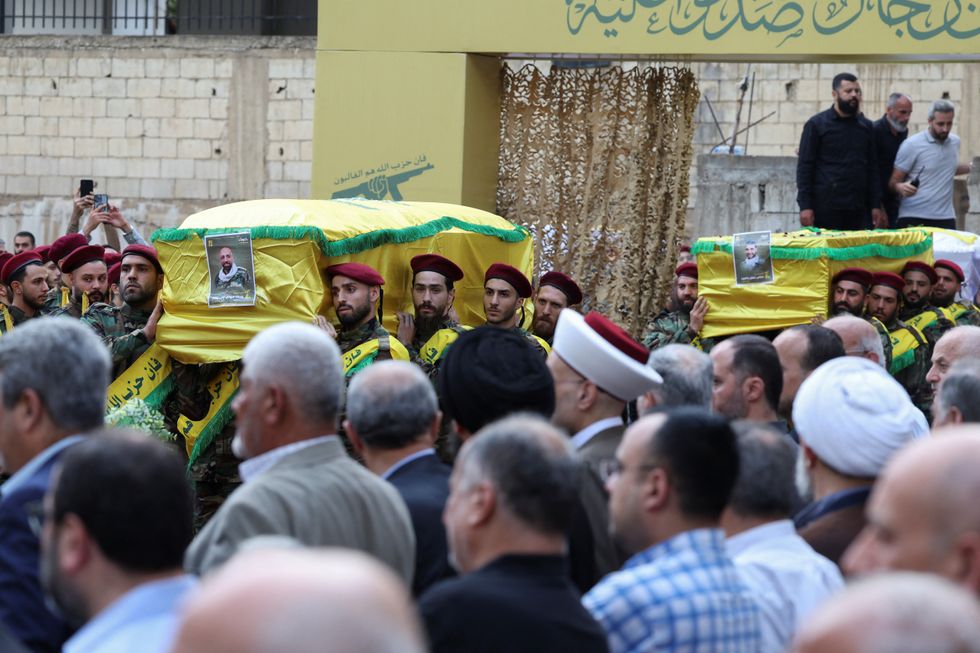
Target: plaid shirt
<point>682,595</point>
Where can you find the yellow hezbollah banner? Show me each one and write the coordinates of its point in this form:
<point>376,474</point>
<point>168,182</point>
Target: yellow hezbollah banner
<point>720,28</point>
<point>148,378</point>
<point>803,264</point>
<point>293,241</point>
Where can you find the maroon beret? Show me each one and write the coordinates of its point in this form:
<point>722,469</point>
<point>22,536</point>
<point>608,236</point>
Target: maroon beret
<point>357,272</point>
<point>564,283</point>
<point>924,268</point>
<point>44,251</point>
<point>114,271</point>
<point>4,257</point>
<point>686,248</point>
<point>889,279</point>
<point>65,245</point>
<point>686,270</point>
<point>952,267</point>
<point>436,263</point>
<point>857,275</point>
<point>511,275</point>
<point>111,257</point>
<point>617,337</point>
<point>83,255</point>
<point>18,262</point>
<point>147,252</point>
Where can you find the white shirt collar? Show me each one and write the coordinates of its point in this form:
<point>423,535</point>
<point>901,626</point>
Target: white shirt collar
<point>406,460</point>
<point>252,468</point>
<point>747,539</point>
<point>582,438</point>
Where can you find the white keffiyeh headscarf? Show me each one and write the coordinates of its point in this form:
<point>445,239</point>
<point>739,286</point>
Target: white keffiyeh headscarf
<point>231,273</point>
<point>854,416</point>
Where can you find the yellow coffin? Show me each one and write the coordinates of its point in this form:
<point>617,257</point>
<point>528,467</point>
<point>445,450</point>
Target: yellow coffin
<point>292,241</point>
<point>803,264</point>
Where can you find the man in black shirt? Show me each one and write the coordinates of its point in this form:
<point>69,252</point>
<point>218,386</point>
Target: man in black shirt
<point>512,496</point>
<point>837,171</point>
<point>889,131</point>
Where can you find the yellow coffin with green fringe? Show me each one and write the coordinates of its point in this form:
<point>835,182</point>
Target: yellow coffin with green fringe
<point>293,241</point>
<point>803,264</point>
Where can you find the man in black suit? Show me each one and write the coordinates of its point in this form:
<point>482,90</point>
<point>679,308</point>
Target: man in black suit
<point>53,378</point>
<point>393,420</point>
<point>513,494</point>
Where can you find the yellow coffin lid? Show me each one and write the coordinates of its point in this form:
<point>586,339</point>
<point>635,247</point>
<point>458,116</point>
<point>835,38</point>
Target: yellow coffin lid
<point>293,241</point>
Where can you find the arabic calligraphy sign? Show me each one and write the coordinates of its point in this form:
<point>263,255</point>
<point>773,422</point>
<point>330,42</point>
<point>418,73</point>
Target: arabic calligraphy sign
<point>774,29</point>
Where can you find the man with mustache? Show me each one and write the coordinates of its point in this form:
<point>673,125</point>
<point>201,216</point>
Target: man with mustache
<point>919,278</point>
<point>949,280</point>
<point>26,278</point>
<point>836,174</point>
<point>129,330</point>
<point>890,132</point>
<point>849,294</point>
<point>682,324</point>
<point>556,291</point>
<point>357,298</point>
<point>231,276</point>
<point>88,278</point>
<point>433,295</point>
<point>924,169</point>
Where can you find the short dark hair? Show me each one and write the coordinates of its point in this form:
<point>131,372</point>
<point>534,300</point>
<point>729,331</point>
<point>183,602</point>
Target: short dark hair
<point>26,234</point>
<point>822,345</point>
<point>536,482</point>
<point>697,449</point>
<point>960,389</point>
<point>766,485</point>
<point>839,78</point>
<point>21,273</point>
<point>132,494</point>
<point>756,356</point>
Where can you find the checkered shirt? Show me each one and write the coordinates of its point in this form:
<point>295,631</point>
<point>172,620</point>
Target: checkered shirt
<point>683,595</point>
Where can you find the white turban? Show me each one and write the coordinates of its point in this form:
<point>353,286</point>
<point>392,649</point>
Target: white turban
<point>603,353</point>
<point>854,416</point>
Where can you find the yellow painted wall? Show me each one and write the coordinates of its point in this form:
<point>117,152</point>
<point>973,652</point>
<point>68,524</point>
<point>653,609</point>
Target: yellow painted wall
<point>414,126</point>
<point>759,29</point>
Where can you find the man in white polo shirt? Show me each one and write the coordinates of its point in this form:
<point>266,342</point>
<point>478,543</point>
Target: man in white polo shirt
<point>924,169</point>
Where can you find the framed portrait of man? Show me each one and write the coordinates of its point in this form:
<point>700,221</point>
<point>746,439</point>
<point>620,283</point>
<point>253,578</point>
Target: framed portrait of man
<point>231,269</point>
<point>752,258</point>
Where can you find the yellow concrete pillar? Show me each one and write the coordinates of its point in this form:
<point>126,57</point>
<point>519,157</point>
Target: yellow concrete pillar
<point>407,125</point>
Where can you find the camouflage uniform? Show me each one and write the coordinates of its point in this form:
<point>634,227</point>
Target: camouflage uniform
<point>670,327</point>
<point>533,339</point>
<point>373,330</point>
<point>969,316</point>
<point>910,357</point>
<point>52,301</point>
<point>240,281</point>
<point>17,316</point>
<point>71,309</point>
<point>121,329</point>
<point>415,347</point>
<point>886,340</point>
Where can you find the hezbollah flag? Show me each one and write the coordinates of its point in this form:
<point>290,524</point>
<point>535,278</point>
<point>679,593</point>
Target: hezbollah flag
<point>292,241</point>
<point>803,263</point>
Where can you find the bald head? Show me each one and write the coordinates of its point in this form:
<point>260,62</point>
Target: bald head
<point>899,613</point>
<point>859,337</point>
<point>956,344</point>
<point>272,601</point>
<point>923,513</point>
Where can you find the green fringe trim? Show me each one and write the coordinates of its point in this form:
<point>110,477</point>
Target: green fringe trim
<point>355,244</point>
<point>156,398</point>
<point>360,366</point>
<point>899,363</point>
<point>211,430</point>
<point>832,253</point>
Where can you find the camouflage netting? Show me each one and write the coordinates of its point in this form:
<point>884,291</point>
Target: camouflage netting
<point>595,163</point>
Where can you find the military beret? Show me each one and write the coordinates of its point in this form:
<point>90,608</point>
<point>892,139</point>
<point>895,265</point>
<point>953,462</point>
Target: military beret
<point>564,283</point>
<point>859,276</point>
<point>65,245</point>
<point>111,257</point>
<point>44,251</point>
<point>920,266</point>
<point>18,262</point>
<point>4,257</point>
<point>952,267</point>
<point>357,272</point>
<point>114,271</point>
<point>687,270</point>
<point>511,275</point>
<point>686,248</point>
<point>83,255</point>
<point>889,279</point>
<point>436,263</point>
<point>147,252</point>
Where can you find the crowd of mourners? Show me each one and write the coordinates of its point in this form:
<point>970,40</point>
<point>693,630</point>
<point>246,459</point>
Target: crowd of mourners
<point>533,483</point>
